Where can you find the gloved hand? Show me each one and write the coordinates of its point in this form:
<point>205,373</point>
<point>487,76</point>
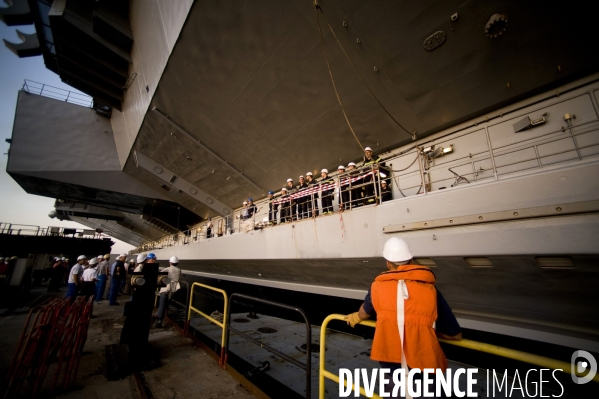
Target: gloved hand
<point>353,319</point>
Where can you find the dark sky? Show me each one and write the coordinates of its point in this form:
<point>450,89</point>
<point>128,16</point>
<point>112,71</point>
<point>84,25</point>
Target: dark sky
<point>16,206</point>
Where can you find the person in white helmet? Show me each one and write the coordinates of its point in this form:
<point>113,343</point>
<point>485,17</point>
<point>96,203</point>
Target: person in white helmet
<point>411,313</point>
<point>302,202</point>
<point>312,203</point>
<point>117,279</point>
<point>292,204</point>
<point>284,206</point>
<point>89,278</point>
<point>102,270</point>
<point>245,214</point>
<point>326,193</point>
<point>343,189</point>
<point>370,190</point>
<point>354,193</point>
<point>167,292</point>
<point>75,274</point>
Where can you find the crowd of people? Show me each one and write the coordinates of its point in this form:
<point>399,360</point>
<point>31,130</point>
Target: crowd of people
<point>357,186</point>
<point>89,277</point>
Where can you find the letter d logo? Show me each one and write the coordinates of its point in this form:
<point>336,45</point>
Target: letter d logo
<point>579,367</point>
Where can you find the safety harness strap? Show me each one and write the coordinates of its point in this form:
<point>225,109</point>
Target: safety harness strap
<point>402,295</point>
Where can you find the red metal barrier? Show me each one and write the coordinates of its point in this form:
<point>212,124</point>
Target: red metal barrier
<point>58,332</point>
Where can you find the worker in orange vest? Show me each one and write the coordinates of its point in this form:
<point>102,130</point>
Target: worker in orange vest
<point>411,313</point>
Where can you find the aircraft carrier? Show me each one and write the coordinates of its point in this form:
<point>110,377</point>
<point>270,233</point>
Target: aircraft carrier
<point>486,114</point>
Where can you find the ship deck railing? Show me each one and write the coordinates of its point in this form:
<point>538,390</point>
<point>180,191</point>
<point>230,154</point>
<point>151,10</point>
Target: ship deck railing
<point>51,231</point>
<point>44,90</point>
<point>409,171</point>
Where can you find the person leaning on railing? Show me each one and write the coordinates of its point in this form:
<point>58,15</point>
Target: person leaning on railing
<point>209,227</point>
<point>283,205</point>
<point>302,202</point>
<point>171,286</point>
<point>312,198</point>
<point>369,189</point>
<point>354,193</point>
<point>326,195</point>
<point>411,313</point>
<point>291,189</point>
<point>272,208</point>
<point>251,208</point>
<point>343,189</point>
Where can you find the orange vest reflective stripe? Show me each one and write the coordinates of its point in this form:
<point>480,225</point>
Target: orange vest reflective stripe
<point>422,349</point>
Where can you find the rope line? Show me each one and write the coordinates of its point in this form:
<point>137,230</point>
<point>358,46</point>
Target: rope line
<point>316,6</point>
<point>356,69</point>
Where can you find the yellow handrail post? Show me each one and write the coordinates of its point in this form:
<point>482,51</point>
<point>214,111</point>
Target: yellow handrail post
<point>322,373</point>
<point>223,352</point>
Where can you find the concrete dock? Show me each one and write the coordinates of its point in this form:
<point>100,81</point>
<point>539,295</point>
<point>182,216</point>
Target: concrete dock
<point>184,370</point>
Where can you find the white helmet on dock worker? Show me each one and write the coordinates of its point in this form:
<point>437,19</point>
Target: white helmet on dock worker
<point>93,261</point>
<point>141,257</point>
<point>397,250</point>
<point>81,257</point>
<point>309,174</point>
<point>351,164</point>
<point>290,180</point>
<point>284,189</point>
<point>324,171</point>
<point>368,149</point>
<point>173,260</point>
<point>341,167</point>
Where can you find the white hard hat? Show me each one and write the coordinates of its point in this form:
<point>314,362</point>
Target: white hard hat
<point>368,149</point>
<point>397,250</point>
<point>173,259</point>
<point>283,189</point>
<point>81,257</point>
<point>1,258</point>
<point>122,255</point>
<point>341,167</point>
<point>245,203</point>
<point>290,180</point>
<point>63,258</point>
<point>309,174</point>
<point>301,176</point>
<point>351,164</point>
<point>93,261</point>
<point>141,257</point>
<point>324,171</point>
<point>56,258</point>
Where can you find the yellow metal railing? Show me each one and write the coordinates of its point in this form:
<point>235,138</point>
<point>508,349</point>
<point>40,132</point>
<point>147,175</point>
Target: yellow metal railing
<point>223,324</point>
<point>529,358</point>
<point>325,373</point>
<point>536,360</point>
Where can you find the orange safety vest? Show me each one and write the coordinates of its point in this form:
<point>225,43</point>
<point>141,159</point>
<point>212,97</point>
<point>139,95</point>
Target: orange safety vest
<point>417,295</point>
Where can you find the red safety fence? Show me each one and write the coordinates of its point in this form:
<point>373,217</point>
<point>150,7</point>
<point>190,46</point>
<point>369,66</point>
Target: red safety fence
<point>55,338</point>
